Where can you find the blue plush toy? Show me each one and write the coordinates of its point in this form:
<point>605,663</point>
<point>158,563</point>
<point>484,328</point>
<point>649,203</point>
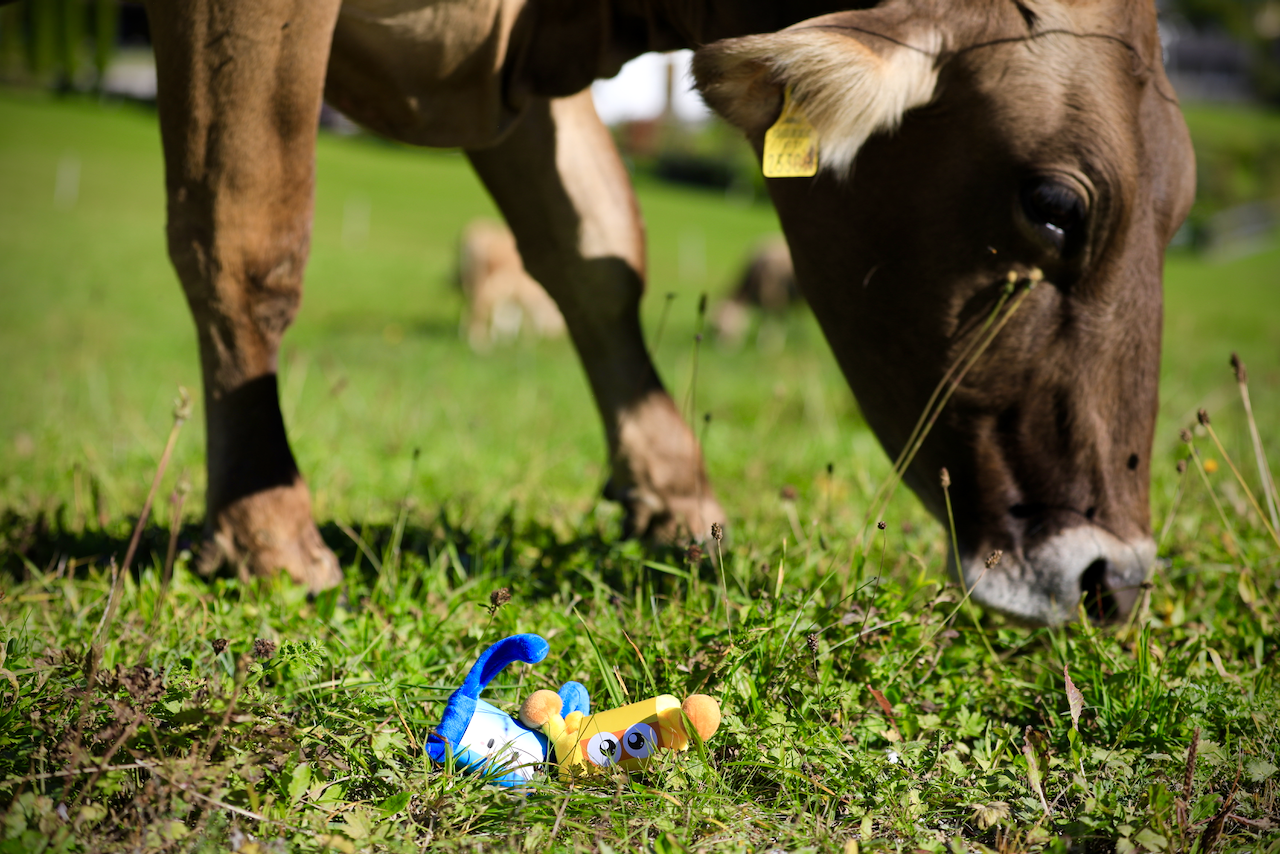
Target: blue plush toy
<point>482,738</point>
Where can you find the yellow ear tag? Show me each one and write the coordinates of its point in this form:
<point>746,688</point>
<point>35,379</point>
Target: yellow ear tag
<point>791,145</point>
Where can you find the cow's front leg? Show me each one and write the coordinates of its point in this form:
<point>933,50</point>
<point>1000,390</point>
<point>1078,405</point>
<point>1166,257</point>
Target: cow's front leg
<point>565,193</point>
<point>240,83</point>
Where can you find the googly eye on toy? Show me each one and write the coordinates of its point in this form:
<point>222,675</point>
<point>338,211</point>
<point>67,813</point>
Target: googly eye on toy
<point>626,737</point>
<point>481,738</point>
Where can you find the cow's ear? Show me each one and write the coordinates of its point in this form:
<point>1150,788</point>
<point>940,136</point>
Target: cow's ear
<point>851,74</point>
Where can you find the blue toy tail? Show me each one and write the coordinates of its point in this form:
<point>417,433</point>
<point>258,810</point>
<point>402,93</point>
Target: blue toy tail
<point>528,648</point>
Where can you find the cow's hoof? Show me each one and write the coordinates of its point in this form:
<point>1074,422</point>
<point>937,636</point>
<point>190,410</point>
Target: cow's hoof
<point>666,519</point>
<point>263,533</point>
<point>659,477</point>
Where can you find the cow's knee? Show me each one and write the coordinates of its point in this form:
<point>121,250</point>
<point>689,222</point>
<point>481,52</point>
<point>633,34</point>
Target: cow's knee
<point>244,289</point>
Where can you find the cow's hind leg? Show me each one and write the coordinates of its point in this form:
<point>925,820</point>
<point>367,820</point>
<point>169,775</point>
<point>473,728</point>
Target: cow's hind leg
<point>240,83</point>
<point>567,197</point>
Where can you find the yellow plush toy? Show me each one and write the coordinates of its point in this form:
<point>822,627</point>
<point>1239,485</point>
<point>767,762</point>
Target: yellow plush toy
<point>625,738</point>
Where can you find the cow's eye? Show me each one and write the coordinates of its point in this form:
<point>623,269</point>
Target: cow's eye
<point>1054,210</point>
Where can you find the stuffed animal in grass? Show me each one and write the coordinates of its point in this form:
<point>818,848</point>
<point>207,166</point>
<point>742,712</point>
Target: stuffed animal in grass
<point>626,737</point>
<point>483,739</point>
<point>479,737</point>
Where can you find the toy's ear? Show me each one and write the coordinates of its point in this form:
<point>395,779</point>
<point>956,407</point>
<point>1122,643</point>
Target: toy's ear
<point>527,648</point>
<point>704,713</point>
<point>462,703</point>
<point>539,708</point>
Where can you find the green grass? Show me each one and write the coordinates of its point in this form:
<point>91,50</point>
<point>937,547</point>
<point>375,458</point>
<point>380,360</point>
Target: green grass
<point>318,745</point>
<point>1237,155</point>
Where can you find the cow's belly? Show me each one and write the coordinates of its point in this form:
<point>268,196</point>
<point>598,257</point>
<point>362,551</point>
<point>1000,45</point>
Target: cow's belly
<point>426,72</point>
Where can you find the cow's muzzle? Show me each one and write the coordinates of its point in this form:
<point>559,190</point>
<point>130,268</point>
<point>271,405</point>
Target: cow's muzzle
<point>1048,582</point>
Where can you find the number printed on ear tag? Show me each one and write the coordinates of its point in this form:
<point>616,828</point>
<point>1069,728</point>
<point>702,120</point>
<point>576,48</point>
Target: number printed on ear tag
<point>791,145</point>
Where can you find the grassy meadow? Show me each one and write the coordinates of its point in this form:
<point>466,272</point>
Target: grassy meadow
<point>867,707</point>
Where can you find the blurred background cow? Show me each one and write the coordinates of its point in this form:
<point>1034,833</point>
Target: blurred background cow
<point>767,285</point>
<point>501,298</point>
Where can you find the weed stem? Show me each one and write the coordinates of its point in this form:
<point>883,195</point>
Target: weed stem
<point>181,412</point>
<point>1213,434</point>
<point>1204,476</point>
<point>1259,456</point>
<point>950,381</point>
<point>955,551</point>
<point>1173,506</point>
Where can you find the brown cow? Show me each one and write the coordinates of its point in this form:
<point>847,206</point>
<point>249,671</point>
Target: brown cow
<point>958,141</point>
<point>501,297</point>
<point>768,283</point>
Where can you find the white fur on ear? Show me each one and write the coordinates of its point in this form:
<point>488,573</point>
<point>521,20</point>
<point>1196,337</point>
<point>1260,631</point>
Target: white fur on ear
<point>846,89</point>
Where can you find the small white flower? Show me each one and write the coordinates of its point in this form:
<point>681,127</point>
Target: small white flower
<point>893,757</point>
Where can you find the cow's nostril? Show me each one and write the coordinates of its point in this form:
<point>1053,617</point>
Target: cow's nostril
<point>1099,602</point>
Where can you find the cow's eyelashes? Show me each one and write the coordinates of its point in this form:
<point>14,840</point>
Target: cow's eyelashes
<point>1054,209</point>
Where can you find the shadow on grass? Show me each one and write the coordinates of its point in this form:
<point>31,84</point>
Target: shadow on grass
<point>529,552</point>
<point>47,544</point>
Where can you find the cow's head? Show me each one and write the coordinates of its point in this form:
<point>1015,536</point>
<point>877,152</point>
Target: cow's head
<point>957,145</point>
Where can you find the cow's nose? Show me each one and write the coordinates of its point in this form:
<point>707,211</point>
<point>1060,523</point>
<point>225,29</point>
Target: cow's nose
<point>1047,583</point>
<point>1107,595</point>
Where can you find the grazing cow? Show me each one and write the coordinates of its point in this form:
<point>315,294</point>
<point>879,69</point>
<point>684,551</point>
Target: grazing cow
<point>957,141</point>
<point>768,283</point>
<point>501,297</point>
